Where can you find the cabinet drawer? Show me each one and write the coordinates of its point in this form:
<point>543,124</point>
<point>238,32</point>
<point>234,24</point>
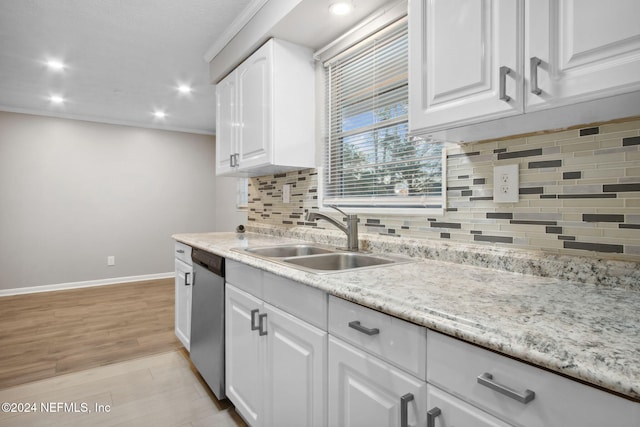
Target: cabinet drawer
<point>448,410</point>
<point>455,366</point>
<point>183,252</point>
<point>244,277</point>
<point>400,343</point>
<point>304,302</point>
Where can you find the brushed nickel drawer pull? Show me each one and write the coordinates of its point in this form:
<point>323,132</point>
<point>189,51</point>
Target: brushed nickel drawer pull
<point>254,327</point>
<point>432,414</point>
<point>503,83</point>
<point>486,380</point>
<point>534,63</point>
<point>261,322</point>
<point>404,409</point>
<point>358,327</point>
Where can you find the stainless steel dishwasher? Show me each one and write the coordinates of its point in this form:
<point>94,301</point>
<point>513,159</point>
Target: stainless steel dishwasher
<point>207,319</point>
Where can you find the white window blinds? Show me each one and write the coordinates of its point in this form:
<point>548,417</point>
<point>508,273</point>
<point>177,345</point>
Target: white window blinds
<point>370,159</point>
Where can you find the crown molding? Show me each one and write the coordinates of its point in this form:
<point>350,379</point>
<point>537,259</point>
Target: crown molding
<point>233,29</point>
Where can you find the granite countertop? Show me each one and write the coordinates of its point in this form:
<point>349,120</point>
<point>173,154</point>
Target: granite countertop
<point>581,330</point>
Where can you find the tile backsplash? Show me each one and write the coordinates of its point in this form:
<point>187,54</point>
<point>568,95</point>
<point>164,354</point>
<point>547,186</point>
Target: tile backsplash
<point>579,195</point>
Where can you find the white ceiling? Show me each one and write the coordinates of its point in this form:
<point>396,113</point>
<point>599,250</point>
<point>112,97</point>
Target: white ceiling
<point>125,58</point>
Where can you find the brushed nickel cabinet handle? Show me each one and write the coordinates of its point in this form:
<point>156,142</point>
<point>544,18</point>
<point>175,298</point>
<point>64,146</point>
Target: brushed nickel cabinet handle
<point>404,409</point>
<point>231,158</point>
<point>432,414</point>
<point>486,380</point>
<point>358,327</point>
<point>254,327</point>
<point>261,323</point>
<point>534,63</point>
<point>504,70</point>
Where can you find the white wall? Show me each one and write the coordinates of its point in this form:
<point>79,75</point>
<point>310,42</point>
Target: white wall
<point>227,216</point>
<point>73,193</point>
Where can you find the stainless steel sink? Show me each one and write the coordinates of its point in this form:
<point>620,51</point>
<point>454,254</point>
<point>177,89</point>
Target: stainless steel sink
<point>285,251</point>
<point>322,260</point>
<point>338,261</point>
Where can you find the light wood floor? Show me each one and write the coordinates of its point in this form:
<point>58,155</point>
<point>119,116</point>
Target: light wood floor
<point>108,345</point>
<point>160,390</point>
<point>51,333</point>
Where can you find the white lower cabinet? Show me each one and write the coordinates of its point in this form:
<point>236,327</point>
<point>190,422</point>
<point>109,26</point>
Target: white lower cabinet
<point>243,355</point>
<point>376,368</point>
<point>183,281</point>
<point>275,363</point>
<point>294,391</point>
<point>284,369</point>
<point>366,391</point>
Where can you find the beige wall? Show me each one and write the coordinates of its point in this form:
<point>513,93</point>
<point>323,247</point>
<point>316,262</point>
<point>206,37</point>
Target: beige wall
<point>73,193</point>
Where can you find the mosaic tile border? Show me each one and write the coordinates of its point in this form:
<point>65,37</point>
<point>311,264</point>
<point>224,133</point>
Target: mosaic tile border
<point>579,195</point>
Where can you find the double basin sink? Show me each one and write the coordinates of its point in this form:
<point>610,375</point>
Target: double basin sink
<point>320,259</point>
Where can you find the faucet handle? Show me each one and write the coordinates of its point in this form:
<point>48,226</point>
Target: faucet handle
<point>339,210</point>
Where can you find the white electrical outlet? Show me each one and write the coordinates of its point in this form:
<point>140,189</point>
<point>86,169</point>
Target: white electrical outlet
<point>111,261</point>
<point>506,184</point>
<point>286,193</point>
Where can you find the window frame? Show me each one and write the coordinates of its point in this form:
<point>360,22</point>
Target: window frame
<point>388,209</point>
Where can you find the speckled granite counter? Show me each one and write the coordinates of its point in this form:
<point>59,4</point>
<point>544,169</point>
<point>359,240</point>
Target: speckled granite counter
<point>584,331</point>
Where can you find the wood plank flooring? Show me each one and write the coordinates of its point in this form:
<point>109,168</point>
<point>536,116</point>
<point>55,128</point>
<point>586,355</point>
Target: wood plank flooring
<point>160,390</point>
<point>52,333</point>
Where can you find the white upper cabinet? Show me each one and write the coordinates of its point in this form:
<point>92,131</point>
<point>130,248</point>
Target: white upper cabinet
<point>466,61</point>
<point>580,50</point>
<point>265,113</point>
<point>476,66</point>
<point>254,110</point>
<point>226,130</point>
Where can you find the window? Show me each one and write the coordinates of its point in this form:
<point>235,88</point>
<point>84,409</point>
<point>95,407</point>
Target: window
<point>371,161</point>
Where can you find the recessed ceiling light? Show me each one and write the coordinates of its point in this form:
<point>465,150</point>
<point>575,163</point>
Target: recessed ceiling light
<point>184,89</point>
<point>341,7</point>
<point>159,114</point>
<point>56,99</point>
<point>55,65</point>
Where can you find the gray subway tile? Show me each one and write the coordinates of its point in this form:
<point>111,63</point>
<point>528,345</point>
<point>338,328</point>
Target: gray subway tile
<point>571,175</point>
<point>621,187</point>
<point>446,225</point>
<point>602,218</point>
<point>590,131</point>
<point>545,164</point>
<point>596,247</point>
<point>496,239</point>
<point>500,215</point>
<point>518,154</point>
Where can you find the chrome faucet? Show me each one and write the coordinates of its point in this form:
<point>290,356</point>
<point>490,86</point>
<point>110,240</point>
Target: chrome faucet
<point>351,228</point>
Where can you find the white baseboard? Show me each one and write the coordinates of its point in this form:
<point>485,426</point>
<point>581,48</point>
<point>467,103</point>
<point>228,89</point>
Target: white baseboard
<point>85,284</point>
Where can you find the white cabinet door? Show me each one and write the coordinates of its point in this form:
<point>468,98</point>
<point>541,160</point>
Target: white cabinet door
<point>226,125</point>
<point>447,410</point>
<point>457,51</point>
<point>255,108</point>
<point>244,368</point>
<point>365,391</point>
<point>588,49</point>
<point>184,279</point>
<point>295,384</point>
